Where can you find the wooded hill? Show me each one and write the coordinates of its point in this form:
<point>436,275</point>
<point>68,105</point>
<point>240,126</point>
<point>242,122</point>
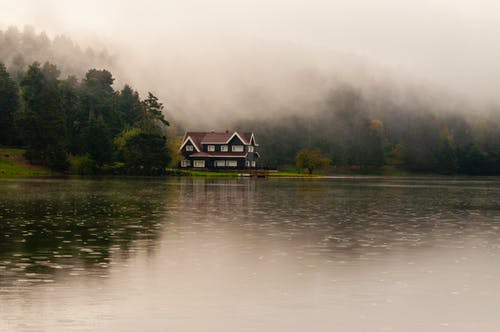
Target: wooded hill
<point>356,133</point>
<point>83,121</point>
<point>103,130</point>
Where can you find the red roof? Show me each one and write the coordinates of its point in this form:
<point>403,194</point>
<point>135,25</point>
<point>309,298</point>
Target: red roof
<point>199,138</point>
<point>220,138</point>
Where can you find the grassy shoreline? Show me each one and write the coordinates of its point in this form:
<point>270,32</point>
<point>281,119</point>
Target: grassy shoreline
<point>14,165</point>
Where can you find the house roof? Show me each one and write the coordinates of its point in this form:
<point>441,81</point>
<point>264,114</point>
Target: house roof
<point>213,137</point>
<point>200,138</point>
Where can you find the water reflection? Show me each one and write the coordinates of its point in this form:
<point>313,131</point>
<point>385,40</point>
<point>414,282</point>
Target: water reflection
<point>239,254</point>
<point>55,228</point>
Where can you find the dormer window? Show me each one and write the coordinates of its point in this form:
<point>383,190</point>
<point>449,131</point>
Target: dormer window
<point>250,148</point>
<point>211,148</point>
<point>237,148</point>
<point>224,148</point>
<point>189,148</point>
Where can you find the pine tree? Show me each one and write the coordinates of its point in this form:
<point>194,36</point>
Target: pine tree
<point>44,129</point>
<point>9,103</point>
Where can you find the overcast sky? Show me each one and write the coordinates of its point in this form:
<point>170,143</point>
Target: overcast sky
<point>453,43</point>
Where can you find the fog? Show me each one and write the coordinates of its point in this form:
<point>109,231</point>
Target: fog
<point>209,59</point>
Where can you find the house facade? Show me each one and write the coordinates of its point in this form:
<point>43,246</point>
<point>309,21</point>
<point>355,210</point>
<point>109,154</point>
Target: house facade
<point>219,150</point>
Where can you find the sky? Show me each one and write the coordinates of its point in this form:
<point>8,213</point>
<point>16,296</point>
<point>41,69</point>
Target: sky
<point>209,45</point>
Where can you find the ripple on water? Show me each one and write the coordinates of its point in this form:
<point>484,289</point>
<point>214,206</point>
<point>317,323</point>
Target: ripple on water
<point>326,250</point>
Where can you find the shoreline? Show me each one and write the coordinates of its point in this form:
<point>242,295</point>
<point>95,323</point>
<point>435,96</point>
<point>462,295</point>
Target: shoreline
<point>14,166</point>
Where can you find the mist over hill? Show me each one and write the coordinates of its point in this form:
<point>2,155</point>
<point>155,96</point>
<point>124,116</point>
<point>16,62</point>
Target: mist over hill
<point>357,112</point>
<point>19,48</point>
<point>216,86</point>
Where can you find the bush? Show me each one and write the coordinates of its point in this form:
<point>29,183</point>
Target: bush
<point>57,159</point>
<point>84,165</point>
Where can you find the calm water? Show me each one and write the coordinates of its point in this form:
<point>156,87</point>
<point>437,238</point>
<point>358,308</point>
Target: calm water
<point>245,255</point>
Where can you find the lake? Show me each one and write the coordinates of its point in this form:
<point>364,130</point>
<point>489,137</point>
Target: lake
<point>185,254</point>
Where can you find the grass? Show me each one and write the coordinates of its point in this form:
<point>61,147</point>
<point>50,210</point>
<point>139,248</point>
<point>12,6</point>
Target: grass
<point>13,164</point>
<point>11,152</point>
<point>221,174</point>
<point>388,170</point>
<point>194,173</point>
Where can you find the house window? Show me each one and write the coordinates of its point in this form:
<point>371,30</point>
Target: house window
<point>224,148</point>
<point>199,163</point>
<point>231,163</point>
<point>189,148</point>
<point>185,163</point>
<point>253,163</point>
<point>237,148</point>
<point>220,163</point>
<point>211,148</point>
<point>247,163</point>
<point>250,148</point>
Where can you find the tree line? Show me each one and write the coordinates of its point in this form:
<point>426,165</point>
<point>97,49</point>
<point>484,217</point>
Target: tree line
<point>21,47</point>
<point>356,133</point>
<point>84,123</point>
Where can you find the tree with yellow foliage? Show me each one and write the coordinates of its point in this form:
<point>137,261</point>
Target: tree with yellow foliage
<point>311,160</point>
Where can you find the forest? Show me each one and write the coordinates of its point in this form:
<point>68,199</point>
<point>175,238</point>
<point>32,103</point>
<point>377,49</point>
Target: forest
<point>82,123</point>
<point>86,121</point>
<point>358,135</point>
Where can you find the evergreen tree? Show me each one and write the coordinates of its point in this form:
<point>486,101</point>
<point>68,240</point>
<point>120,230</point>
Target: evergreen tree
<point>76,120</point>
<point>45,123</point>
<point>101,122</point>
<point>152,120</point>
<point>98,142</point>
<point>97,94</point>
<point>9,103</point>
<point>129,106</point>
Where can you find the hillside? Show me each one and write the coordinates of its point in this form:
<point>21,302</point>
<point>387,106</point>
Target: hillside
<point>13,164</point>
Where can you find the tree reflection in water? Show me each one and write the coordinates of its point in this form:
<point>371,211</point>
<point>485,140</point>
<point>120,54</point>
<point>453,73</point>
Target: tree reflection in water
<point>50,228</point>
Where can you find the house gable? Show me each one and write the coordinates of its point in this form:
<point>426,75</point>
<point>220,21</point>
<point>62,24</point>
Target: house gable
<point>231,139</point>
<point>189,139</point>
<point>252,141</point>
<point>235,140</point>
